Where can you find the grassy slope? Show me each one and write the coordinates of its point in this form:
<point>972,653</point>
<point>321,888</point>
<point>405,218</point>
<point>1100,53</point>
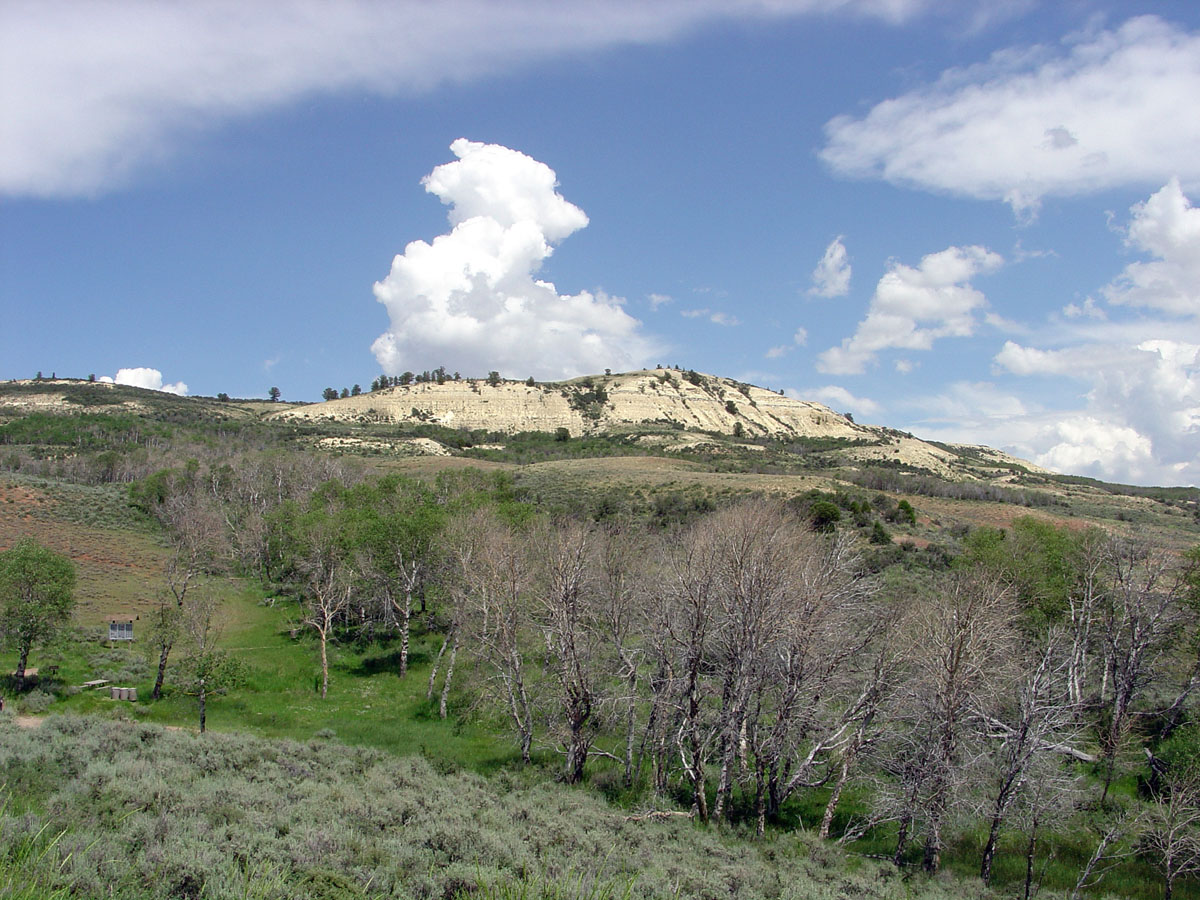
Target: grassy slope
<point>118,558</point>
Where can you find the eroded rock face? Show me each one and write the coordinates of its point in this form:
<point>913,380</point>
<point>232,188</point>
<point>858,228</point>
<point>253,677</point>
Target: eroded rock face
<point>594,404</point>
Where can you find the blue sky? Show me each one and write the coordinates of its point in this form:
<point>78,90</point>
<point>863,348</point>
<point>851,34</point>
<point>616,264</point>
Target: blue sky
<point>972,221</point>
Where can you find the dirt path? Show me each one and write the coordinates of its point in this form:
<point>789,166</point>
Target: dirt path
<point>36,721</point>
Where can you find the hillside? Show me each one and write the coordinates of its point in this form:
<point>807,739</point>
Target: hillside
<point>596,403</point>
<point>683,401</point>
<point>56,396</point>
<point>707,436</point>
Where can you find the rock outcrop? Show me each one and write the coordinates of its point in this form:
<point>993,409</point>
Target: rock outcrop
<point>601,403</point>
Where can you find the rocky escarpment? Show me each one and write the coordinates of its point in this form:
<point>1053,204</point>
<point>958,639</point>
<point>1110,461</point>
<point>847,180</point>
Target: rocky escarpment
<point>641,401</point>
<point>599,403</point>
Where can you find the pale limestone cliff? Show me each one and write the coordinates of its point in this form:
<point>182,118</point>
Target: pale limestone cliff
<point>596,404</point>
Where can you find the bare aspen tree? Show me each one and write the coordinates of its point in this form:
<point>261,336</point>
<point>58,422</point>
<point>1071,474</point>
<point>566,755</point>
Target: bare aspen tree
<point>1048,800</point>
<point>662,681</point>
<point>758,619</point>
<point>870,706</point>
<point>622,619</point>
<point>327,587</point>
<point>496,580</point>
<point>1033,718</point>
<point>1142,612</point>
<point>1084,603</point>
<point>1172,835</point>
<point>1111,850</point>
<point>689,616</point>
<point>755,553</point>
<point>195,530</point>
<point>567,615</point>
<point>961,633</point>
<point>1175,713</point>
<point>450,640</point>
<point>817,689</point>
<point>207,670</point>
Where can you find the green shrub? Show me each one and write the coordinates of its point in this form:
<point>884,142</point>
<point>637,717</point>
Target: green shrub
<point>139,812</point>
<point>37,701</point>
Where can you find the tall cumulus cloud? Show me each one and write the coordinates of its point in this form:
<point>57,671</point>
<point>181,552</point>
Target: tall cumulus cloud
<point>470,299</point>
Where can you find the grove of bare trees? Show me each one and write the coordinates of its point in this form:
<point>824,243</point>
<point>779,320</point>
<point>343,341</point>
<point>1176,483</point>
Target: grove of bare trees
<point>745,660</point>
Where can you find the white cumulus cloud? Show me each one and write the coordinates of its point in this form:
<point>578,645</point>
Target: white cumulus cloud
<point>837,398</point>
<point>1132,358</point>
<point>470,299</point>
<point>96,89</point>
<point>150,379</point>
<point>1099,111</point>
<point>831,277</point>
<point>1151,388</point>
<point>1167,227</point>
<point>913,307</point>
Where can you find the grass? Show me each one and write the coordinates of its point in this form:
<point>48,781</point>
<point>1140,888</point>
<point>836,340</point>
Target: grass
<point>368,705</point>
<point>26,863</point>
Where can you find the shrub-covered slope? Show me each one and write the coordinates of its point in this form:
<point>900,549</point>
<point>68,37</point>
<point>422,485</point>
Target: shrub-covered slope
<point>134,811</point>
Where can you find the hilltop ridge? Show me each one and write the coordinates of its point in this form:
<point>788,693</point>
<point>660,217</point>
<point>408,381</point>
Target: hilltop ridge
<point>666,409</point>
<point>684,401</point>
<point>590,404</point>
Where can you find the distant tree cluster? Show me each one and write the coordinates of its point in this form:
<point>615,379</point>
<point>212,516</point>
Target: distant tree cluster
<point>332,393</point>
<point>437,376</point>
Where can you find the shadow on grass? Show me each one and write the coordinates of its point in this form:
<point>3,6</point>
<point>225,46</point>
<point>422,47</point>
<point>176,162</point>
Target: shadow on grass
<point>386,662</point>
<point>49,684</point>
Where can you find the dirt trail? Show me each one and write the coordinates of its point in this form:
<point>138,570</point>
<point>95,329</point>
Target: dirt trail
<point>36,721</point>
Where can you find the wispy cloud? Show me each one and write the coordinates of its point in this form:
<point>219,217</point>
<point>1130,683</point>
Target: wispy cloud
<point>831,277</point>
<point>799,339</point>
<point>95,91</point>
<point>837,398</point>
<point>717,318</point>
<point>1099,111</point>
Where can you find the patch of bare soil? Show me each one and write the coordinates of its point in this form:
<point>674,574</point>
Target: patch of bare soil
<point>117,572</point>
